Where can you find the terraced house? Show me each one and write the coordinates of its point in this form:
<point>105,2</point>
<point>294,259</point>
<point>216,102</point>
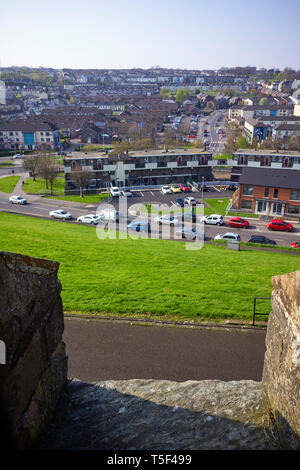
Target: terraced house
<point>140,168</point>
<point>23,135</point>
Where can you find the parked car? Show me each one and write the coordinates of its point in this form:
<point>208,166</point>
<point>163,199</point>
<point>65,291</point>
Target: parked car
<point>261,239</point>
<point>166,190</point>
<point>114,191</point>
<point>60,214</point>
<point>238,222</point>
<point>167,220</point>
<point>175,188</point>
<point>139,226</point>
<point>279,225</point>
<point>126,193</point>
<point>190,200</point>
<point>295,245</point>
<point>89,219</point>
<point>17,200</point>
<point>185,187</point>
<point>228,236</point>
<point>179,202</point>
<point>213,219</point>
<point>189,233</point>
<point>18,156</point>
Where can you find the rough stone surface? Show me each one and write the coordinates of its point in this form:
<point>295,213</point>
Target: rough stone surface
<point>31,326</point>
<point>281,374</point>
<point>161,415</point>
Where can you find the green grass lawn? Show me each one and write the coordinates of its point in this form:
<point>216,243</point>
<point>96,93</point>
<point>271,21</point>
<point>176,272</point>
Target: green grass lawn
<point>6,164</point>
<point>155,278</point>
<point>39,187</point>
<point>8,183</point>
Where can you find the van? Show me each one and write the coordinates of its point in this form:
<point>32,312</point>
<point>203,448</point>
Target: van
<point>110,214</point>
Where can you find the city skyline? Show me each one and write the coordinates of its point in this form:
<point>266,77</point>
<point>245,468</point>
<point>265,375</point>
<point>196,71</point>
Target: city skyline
<point>193,36</point>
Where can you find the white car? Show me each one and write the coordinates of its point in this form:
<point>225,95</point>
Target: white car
<point>60,214</point>
<point>228,236</point>
<point>166,190</point>
<point>167,220</point>
<point>126,193</point>
<point>190,200</point>
<point>109,215</point>
<point>189,234</point>
<point>17,156</point>
<point>213,219</point>
<point>114,191</point>
<point>17,200</point>
<point>89,219</point>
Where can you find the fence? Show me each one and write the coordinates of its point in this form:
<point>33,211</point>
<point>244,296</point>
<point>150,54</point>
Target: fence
<point>254,308</point>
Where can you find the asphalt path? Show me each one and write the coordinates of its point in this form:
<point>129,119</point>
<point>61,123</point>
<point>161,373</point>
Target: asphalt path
<point>107,350</point>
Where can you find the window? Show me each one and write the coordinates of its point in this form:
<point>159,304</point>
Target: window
<point>42,133</point>
<point>275,193</point>
<point>248,190</point>
<point>295,195</point>
<point>266,192</point>
<point>293,209</point>
<point>246,204</point>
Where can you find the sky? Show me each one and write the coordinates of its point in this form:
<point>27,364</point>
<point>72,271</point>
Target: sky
<point>117,34</point>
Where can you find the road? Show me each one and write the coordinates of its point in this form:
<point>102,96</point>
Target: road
<point>216,143</point>
<point>40,207</point>
<point>108,350</point>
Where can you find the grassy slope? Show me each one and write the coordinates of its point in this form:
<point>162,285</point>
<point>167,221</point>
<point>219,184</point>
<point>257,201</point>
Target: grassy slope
<point>8,183</point>
<point>146,276</point>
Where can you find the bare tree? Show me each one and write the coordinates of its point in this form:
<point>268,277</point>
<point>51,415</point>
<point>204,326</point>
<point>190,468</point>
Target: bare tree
<point>48,169</point>
<point>81,179</point>
<point>31,164</point>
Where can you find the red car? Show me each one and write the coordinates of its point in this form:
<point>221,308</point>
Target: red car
<point>238,222</point>
<point>185,188</point>
<point>295,245</point>
<point>279,225</point>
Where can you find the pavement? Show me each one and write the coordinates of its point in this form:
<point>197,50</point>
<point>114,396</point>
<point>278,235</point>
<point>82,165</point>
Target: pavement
<point>121,350</point>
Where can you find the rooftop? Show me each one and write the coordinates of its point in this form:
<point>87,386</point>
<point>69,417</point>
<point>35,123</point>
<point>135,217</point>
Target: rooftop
<point>278,178</point>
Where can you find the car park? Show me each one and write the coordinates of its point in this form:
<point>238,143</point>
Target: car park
<point>190,200</point>
<point>114,191</point>
<point>17,200</point>
<point>238,222</point>
<point>185,187</point>
<point>279,225</point>
<point>139,226</point>
<point>261,239</point>
<point>213,219</point>
<point>167,220</point>
<point>60,214</point>
<point>189,234</point>
<point>89,219</point>
<point>228,236</point>
<point>295,245</point>
<point>166,190</point>
<point>175,188</point>
<point>179,202</point>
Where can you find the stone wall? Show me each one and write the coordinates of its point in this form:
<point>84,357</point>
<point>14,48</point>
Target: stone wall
<point>31,326</point>
<point>281,374</point>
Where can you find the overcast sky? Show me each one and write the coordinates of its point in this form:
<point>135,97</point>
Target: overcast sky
<point>191,34</point>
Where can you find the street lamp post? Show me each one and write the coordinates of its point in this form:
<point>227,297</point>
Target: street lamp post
<point>202,187</point>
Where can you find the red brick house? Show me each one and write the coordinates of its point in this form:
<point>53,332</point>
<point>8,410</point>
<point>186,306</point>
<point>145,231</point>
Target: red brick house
<point>266,191</point>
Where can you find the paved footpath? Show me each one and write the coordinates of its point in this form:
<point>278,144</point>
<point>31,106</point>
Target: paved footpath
<point>111,350</point>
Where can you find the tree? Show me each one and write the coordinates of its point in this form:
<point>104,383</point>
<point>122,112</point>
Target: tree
<point>48,169</point>
<point>81,179</point>
<point>242,143</point>
<point>31,164</point>
<point>263,101</point>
